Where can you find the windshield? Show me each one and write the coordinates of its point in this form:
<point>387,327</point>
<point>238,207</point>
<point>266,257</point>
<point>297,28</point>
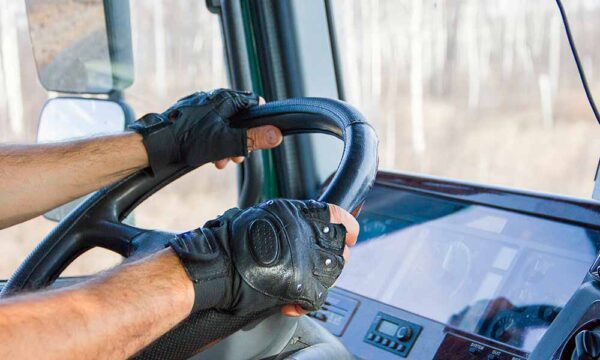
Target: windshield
<point>484,91</point>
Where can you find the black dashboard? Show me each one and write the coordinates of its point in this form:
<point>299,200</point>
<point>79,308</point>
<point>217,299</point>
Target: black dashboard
<point>444,270</point>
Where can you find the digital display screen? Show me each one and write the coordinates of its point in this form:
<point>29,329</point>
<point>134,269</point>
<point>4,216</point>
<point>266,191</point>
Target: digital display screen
<point>387,328</point>
<point>499,274</point>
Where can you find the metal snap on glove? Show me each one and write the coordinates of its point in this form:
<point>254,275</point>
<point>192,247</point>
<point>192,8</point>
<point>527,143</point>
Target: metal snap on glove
<point>196,129</point>
<point>279,252</point>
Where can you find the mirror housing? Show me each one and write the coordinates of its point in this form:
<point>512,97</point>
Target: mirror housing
<point>66,118</point>
<point>81,46</point>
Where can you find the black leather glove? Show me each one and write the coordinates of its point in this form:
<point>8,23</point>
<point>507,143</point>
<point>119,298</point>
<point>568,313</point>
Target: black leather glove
<point>251,261</point>
<point>196,129</point>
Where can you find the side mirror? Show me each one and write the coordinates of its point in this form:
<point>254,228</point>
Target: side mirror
<point>81,46</point>
<point>66,118</point>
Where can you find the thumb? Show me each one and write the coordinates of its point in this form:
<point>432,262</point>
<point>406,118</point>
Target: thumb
<point>263,137</point>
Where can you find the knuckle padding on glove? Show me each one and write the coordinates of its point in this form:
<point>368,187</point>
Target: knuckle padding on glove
<point>275,279</point>
<point>331,240</point>
<point>264,242</point>
<point>231,102</point>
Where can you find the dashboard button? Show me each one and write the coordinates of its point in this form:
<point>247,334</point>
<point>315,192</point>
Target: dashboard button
<point>475,349</point>
<point>319,316</point>
<point>371,336</point>
<point>391,334</point>
<point>493,356</point>
<point>404,333</point>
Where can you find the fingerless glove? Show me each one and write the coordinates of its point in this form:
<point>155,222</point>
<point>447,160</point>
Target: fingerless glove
<point>249,261</point>
<point>196,129</point>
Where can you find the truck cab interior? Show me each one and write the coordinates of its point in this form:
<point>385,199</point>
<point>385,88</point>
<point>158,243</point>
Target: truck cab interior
<point>444,268</point>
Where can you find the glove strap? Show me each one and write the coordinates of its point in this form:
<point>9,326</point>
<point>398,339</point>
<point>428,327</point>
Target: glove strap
<point>201,257</point>
<point>159,140</point>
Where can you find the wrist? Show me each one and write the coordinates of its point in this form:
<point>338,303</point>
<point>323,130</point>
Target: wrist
<point>182,286</point>
<point>138,153</point>
<point>156,282</point>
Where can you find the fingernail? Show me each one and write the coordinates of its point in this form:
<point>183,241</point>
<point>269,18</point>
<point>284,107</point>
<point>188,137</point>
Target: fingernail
<point>272,136</point>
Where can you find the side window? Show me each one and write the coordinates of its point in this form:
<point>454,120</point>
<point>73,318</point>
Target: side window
<point>177,50</point>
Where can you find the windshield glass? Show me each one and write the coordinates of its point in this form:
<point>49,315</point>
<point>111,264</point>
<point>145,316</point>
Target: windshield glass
<point>484,91</point>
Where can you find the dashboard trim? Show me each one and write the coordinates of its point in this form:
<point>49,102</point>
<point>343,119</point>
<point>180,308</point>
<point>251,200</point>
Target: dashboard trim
<point>488,343</point>
<point>573,210</point>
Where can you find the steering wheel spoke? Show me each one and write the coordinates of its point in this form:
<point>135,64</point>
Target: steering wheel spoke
<point>114,236</point>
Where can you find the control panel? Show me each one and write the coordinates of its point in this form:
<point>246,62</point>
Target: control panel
<point>335,313</point>
<point>392,334</point>
<point>372,330</point>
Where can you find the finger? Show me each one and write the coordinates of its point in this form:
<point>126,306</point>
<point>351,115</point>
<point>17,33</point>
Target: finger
<point>261,100</point>
<point>237,159</point>
<point>293,310</point>
<point>263,137</point>
<point>341,216</point>
<point>221,164</point>
<point>233,101</point>
<point>346,254</point>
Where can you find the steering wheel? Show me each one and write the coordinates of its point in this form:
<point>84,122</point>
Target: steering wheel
<point>97,222</point>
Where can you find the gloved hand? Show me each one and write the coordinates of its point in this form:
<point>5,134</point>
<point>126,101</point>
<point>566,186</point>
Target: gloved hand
<point>196,129</point>
<point>255,260</point>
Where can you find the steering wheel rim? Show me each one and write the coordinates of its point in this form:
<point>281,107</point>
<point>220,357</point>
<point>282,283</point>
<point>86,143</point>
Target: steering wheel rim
<point>97,222</point>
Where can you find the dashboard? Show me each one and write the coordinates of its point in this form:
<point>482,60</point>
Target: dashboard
<point>437,276</point>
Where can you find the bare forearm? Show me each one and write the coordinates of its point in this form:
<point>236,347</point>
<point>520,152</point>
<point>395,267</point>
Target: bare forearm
<point>111,317</point>
<point>37,178</point>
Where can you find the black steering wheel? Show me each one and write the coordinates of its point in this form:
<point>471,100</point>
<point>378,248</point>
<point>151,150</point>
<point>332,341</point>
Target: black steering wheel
<point>97,222</point>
